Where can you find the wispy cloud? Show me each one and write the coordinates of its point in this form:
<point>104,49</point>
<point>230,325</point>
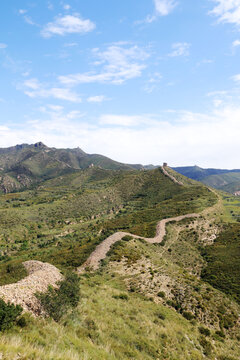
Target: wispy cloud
<point>236,78</point>
<point>26,17</point>
<point>66,7</point>
<point>34,89</point>
<point>3,46</point>
<point>119,63</point>
<point>180,49</point>
<point>96,99</point>
<point>126,120</point>
<point>22,11</point>
<point>236,43</point>
<point>227,11</point>
<point>68,24</point>
<point>162,8</point>
<point>153,82</point>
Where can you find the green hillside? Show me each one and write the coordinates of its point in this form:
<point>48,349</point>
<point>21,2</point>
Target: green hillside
<point>94,201</point>
<point>24,166</point>
<point>146,301</point>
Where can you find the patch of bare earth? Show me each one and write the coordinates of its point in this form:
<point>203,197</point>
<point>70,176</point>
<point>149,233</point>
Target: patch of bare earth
<point>41,275</point>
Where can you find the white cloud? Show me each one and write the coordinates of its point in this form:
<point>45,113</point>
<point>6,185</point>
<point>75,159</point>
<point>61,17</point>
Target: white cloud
<point>22,11</point>
<point>236,78</point>
<point>119,64</point>
<point>236,43</point>
<point>34,89</point>
<point>180,49</point>
<point>68,24</point>
<point>4,128</point>
<point>227,11</point>
<point>29,20</point>
<point>3,46</point>
<point>66,7</point>
<point>153,82</point>
<point>33,84</point>
<point>208,140</point>
<point>96,99</point>
<point>164,7</point>
<point>125,120</point>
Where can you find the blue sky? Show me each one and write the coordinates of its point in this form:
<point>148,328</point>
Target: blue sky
<point>141,81</point>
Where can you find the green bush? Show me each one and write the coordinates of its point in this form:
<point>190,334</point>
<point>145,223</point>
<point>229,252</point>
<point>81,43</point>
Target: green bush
<point>9,314</point>
<point>161,294</point>
<point>22,322</point>
<point>121,296</point>
<point>204,331</point>
<point>127,238</point>
<point>56,302</point>
<point>188,315</point>
<point>220,333</point>
<point>206,345</point>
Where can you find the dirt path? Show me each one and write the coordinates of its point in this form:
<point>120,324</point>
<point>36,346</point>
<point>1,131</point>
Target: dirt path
<point>102,249</point>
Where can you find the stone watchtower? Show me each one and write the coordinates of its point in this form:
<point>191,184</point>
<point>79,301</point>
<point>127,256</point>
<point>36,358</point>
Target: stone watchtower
<point>165,164</point>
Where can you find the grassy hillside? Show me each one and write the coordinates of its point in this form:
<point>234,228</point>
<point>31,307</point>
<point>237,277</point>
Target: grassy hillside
<point>223,261</point>
<point>62,220</point>
<point>147,301</point>
<point>24,166</point>
<point>135,310</point>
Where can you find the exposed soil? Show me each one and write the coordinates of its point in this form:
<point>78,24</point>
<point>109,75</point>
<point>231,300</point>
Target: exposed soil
<point>41,275</point>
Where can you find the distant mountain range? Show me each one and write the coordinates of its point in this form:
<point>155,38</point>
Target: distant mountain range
<point>24,165</point>
<point>226,180</point>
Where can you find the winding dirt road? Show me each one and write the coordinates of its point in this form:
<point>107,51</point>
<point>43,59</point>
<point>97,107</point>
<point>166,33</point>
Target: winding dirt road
<point>93,262</point>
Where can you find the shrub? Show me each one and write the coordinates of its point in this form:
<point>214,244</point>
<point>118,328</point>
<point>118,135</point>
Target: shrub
<point>9,314</point>
<point>127,238</point>
<point>204,331</point>
<point>161,294</point>
<point>160,316</point>
<point>206,345</point>
<point>121,296</point>
<point>56,302</point>
<point>220,333</point>
<point>22,322</point>
<point>188,315</point>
